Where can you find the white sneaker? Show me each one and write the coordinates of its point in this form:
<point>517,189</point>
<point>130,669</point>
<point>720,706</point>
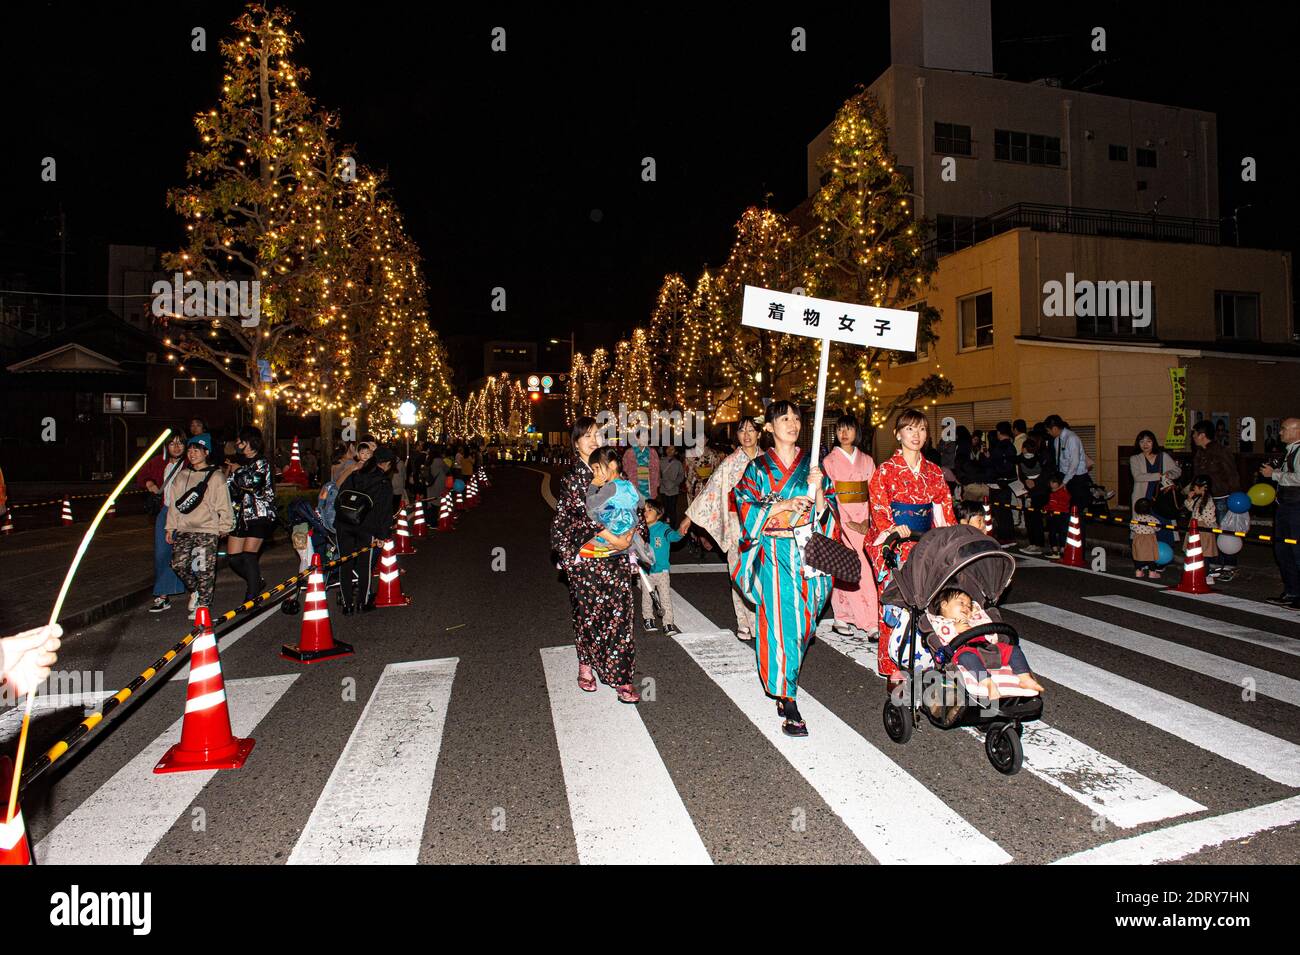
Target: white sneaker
<point>194,601</point>
<point>843,629</point>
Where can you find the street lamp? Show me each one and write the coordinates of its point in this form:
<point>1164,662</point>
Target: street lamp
<point>406,417</point>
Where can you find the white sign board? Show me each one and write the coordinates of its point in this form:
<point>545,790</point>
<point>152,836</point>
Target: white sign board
<point>866,325</point>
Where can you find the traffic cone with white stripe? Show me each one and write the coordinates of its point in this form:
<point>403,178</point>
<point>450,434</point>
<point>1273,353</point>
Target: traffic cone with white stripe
<point>445,522</point>
<point>1072,556</point>
<point>988,518</point>
<point>1193,581</point>
<point>294,473</point>
<point>390,580</point>
<point>9,522</point>
<point>483,476</point>
<point>316,642</point>
<point>404,534</point>
<point>14,847</point>
<point>66,516</point>
<point>471,492</point>
<point>418,527</point>
<point>112,509</point>
<point>460,500</point>
<point>206,739</point>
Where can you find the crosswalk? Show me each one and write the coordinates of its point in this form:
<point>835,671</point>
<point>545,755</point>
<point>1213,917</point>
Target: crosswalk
<point>934,800</point>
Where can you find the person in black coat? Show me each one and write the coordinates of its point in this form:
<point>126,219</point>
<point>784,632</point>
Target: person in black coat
<point>373,479</point>
<point>1002,471</point>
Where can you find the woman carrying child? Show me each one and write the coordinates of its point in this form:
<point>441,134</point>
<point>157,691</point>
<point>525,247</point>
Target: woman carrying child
<point>600,587</point>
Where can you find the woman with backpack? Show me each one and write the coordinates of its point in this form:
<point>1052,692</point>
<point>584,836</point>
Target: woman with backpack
<point>201,516</point>
<point>363,516</point>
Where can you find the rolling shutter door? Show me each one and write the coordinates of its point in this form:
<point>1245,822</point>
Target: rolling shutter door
<point>962,412</point>
<point>987,414</point>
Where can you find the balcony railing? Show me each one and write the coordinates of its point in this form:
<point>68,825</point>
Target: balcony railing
<point>1074,220</point>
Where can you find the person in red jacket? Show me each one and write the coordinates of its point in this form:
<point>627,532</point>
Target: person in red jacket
<point>1058,514</point>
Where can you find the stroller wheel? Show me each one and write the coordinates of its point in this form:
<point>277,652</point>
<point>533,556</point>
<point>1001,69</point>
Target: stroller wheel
<point>898,721</point>
<point>1002,745</point>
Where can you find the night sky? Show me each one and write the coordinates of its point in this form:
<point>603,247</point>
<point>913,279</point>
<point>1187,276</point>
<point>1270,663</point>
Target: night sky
<point>502,163</point>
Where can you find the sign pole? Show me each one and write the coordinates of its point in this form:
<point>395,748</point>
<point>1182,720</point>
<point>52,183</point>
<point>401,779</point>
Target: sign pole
<point>817,415</point>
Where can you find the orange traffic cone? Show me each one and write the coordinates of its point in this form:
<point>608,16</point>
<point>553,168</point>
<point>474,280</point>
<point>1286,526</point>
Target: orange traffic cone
<point>471,492</point>
<point>316,642</point>
<point>483,476</point>
<point>445,522</point>
<point>112,509</point>
<point>294,474</point>
<point>1073,553</point>
<point>418,527</point>
<point>390,580</point>
<point>9,522</point>
<point>403,534</point>
<point>460,500</point>
<point>14,847</point>
<point>1193,581</point>
<point>206,739</point>
<point>67,512</point>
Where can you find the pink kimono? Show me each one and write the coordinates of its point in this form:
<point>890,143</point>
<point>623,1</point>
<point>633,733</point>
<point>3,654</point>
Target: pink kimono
<point>853,603</point>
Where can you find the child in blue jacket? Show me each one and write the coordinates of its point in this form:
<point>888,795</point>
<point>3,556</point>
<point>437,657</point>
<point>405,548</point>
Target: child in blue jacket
<point>661,538</point>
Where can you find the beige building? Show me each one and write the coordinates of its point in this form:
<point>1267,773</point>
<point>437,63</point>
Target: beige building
<point>1222,313</point>
<point>1029,184</point>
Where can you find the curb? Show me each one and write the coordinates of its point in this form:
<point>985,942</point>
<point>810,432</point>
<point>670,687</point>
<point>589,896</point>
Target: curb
<point>102,611</point>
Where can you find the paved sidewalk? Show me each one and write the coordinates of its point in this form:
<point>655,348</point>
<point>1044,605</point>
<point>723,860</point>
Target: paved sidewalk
<point>115,575</point>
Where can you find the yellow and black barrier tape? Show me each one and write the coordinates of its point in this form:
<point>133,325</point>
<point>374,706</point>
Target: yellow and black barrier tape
<point>76,497</point>
<point>94,720</point>
<point>1112,519</point>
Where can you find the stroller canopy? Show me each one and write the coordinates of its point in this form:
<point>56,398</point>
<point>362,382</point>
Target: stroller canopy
<point>960,556</point>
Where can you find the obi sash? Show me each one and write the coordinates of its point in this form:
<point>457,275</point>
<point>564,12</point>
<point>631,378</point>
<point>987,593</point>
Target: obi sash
<point>919,517</point>
<point>852,492</point>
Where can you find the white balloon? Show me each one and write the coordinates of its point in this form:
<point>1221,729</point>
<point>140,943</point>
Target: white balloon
<point>1228,544</point>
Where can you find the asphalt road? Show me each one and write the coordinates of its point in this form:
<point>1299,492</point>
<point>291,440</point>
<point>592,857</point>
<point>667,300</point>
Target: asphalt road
<point>456,733</point>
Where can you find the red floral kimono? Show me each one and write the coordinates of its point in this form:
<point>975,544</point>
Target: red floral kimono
<point>895,483</point>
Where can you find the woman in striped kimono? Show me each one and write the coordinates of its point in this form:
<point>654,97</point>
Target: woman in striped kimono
<point>771,501</point>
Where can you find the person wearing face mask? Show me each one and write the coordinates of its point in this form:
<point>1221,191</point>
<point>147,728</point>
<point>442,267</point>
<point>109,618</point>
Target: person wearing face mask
<point>1031,470</point>
<point>908,493</point>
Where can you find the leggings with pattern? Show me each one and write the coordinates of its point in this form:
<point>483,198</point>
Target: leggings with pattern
<point>194,558</point>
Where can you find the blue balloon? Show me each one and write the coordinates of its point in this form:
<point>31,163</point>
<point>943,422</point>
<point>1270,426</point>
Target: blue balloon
<point>1165,554</point>
<point>459,485</point>
<point>1238,502</point>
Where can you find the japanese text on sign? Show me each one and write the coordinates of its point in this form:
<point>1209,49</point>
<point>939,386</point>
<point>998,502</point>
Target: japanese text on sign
<point>866,325</point>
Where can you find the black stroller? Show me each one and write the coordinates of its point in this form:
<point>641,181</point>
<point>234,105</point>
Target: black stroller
<point>324,542</point>
<point>969,559</point>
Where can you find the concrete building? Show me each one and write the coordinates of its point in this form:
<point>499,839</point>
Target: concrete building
<point>1056,186</point>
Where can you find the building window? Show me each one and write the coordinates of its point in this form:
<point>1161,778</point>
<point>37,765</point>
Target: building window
<point>922,352</point>
<point>976,320</point>
<point>1112,324</point>
<point>1237,315</point>
<point>124,403</point>
<point>952,139</point>
<point>958,232</point>
<point>203,389</point>
<point>1146,157</point>
<point>1118,153</point>
<point>1031,148</point>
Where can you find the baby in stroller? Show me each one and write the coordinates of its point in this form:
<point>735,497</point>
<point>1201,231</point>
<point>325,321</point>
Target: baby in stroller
<point>953,612</point>
<point>962,664</point>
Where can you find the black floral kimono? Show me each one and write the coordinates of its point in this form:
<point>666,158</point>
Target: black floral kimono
<point>600,588</point>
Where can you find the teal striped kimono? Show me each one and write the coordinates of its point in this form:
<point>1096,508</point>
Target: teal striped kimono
<point>770,569</point>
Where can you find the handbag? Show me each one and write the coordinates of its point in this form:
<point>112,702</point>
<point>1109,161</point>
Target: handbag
<point>830,556</point>
<point>352,506</point>
<point>194,496</point>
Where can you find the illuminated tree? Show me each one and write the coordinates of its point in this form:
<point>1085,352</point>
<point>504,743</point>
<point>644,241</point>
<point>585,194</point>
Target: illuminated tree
<point>867,248</point>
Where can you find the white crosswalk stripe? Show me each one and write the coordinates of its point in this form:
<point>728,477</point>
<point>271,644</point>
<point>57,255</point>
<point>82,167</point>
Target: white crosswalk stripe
<point>1220,628</point>
<point>1106,786</point>
<point>373,808</point>
<point>1240,603</point>
<point>892,814</point>
<point>124,819</point>
<point>1264,682</point>
<point>623,803</point>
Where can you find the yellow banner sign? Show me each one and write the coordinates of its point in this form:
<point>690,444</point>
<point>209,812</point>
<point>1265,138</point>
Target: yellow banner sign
<point>1176,439</point>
